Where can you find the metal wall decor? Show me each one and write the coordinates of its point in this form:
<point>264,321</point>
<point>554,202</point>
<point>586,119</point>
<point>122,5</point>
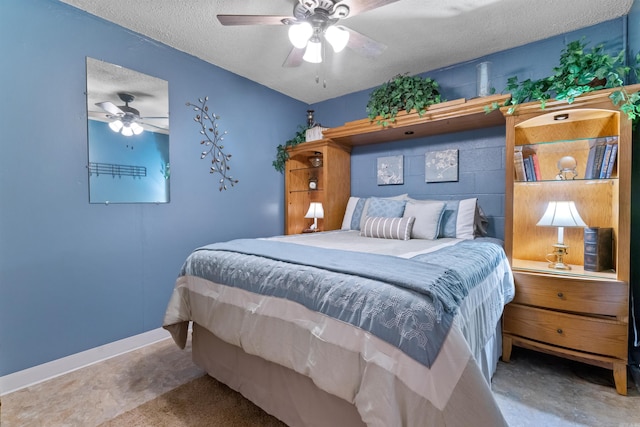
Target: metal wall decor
<point>213,138</point>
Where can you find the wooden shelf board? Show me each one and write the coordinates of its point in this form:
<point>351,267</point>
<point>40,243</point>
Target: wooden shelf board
<point>447,117</point>
<point>576,270</point>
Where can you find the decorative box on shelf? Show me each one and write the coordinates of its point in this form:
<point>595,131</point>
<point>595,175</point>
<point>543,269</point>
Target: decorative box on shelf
<point>598,250</point>
<point>314,133</point>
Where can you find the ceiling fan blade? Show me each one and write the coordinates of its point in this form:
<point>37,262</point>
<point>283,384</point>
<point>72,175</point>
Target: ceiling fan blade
<point>254,19</point>
<point>364,45</point>
<point>110,108</point>
<point>154,126</point>
<point>294,59</point>
<point>359,6</point>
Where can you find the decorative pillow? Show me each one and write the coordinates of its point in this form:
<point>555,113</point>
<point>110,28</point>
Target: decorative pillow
<point>385,207</point>
<point>354,215</point>
<point>458,219</point>
<point>427,214</point>
<point>388,228</point>
<point>481,228</point>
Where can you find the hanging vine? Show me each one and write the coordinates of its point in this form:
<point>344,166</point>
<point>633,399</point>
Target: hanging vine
<point>213,141</point>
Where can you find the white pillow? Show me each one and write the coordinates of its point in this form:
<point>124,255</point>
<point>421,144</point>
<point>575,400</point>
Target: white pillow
<point>348,213</point>
<point>427,214</point>
<point>388,228</point>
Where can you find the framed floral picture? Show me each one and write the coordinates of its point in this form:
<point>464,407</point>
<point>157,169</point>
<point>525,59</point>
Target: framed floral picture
<point>441,166</point>
<point>390,170</point>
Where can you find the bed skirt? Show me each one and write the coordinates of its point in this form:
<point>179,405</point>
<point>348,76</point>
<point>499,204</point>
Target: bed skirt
<point>287,395</point>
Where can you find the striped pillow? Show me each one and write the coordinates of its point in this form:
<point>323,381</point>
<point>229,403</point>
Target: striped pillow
<point>388,228</point>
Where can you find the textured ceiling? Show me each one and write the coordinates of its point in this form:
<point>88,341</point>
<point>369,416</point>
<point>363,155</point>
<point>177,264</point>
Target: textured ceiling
<point>420,35</point>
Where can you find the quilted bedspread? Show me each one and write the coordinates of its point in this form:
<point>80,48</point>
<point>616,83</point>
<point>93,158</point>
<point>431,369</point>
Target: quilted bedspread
<point>395,336</point>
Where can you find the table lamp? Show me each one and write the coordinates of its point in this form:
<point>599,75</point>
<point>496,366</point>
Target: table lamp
<point>560,214</point>
<point>315,211</point>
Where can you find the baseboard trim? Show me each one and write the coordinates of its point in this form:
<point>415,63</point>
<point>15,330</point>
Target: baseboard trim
<point>21,379</point>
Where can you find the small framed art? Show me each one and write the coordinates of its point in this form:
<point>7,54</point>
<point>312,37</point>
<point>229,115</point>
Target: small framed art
<point>441,166</point>
<point>390,170</point>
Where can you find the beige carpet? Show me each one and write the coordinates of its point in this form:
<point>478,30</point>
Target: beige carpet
<point>201,402</point>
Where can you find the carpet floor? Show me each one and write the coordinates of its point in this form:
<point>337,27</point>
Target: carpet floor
<point>158,385</point>
<point>203,402</point>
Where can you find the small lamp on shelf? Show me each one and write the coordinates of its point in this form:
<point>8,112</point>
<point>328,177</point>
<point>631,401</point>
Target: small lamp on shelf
<point>561,214</point>
<point>315,211</point>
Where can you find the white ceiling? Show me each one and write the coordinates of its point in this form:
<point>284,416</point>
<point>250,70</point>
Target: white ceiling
<point>420,35</point>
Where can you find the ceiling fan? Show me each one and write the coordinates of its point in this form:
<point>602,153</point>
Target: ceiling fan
<point>314,21</point>
<point>126,119</point>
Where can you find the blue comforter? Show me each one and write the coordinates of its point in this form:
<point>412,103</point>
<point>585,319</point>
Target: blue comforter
<point>409,303</point>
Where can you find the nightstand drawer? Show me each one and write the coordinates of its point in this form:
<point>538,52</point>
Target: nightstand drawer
<point>581,296</point>
<point>594,335</point>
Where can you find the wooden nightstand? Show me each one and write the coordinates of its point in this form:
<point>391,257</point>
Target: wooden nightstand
<point>576,318</point>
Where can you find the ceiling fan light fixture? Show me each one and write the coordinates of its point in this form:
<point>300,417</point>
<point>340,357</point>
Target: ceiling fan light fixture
<point>313,53</point>
<point>116,125</point>
<point>127,131</point>
<point>337,38</point>
<point>136,128</point>
<point>299,34</point>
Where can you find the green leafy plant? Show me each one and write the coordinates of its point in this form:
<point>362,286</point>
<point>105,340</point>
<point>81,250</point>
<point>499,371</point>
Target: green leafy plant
<point>281,151</point>
<point>580,70</point>
<point>403,92</point>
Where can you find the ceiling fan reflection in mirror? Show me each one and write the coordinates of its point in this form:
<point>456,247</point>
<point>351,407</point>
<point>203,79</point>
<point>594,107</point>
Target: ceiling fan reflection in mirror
<point>315,21</point>
<point>125,119</point>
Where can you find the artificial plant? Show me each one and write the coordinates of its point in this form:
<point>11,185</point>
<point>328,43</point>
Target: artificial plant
<point>402,92</point>
<point>580,70</point>
<point>281,151</point>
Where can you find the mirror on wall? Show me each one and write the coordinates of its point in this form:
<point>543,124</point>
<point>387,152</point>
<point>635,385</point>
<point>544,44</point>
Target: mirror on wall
<point>128,134</point>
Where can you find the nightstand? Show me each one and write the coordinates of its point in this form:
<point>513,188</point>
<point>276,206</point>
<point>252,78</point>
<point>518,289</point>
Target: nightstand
<point>561,308</point>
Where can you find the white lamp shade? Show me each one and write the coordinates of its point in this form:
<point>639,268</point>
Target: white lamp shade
<point>313,53</point>
<point>561,214</point>
<point>299,34</point>
<point>337,37</point>
<point>115,125</point>
<point>315,210</point>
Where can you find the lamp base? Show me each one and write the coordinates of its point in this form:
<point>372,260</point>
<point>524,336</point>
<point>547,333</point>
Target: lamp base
<point>559,251</point>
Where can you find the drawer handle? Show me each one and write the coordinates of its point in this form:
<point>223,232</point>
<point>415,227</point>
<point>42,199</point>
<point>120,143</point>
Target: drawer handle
<point>560,295</point>
<point>559,330</point>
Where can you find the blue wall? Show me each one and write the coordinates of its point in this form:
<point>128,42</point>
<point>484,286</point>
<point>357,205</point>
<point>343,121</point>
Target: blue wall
<point>75,275</point>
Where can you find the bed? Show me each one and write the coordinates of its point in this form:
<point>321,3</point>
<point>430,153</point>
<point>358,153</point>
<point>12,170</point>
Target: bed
<point>374,324</point>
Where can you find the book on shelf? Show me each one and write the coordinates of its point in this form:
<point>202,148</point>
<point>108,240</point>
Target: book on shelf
<point>518,164</point>
<point>599,150</point>
<point>612,160</point>
<point>598,248</point>
<point>528,169</point>
<point>605,161</point>
<point>536,166</point>
<point>602,157</point>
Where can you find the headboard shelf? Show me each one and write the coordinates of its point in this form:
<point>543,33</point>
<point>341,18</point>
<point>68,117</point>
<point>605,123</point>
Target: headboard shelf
<point>446,117</point>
